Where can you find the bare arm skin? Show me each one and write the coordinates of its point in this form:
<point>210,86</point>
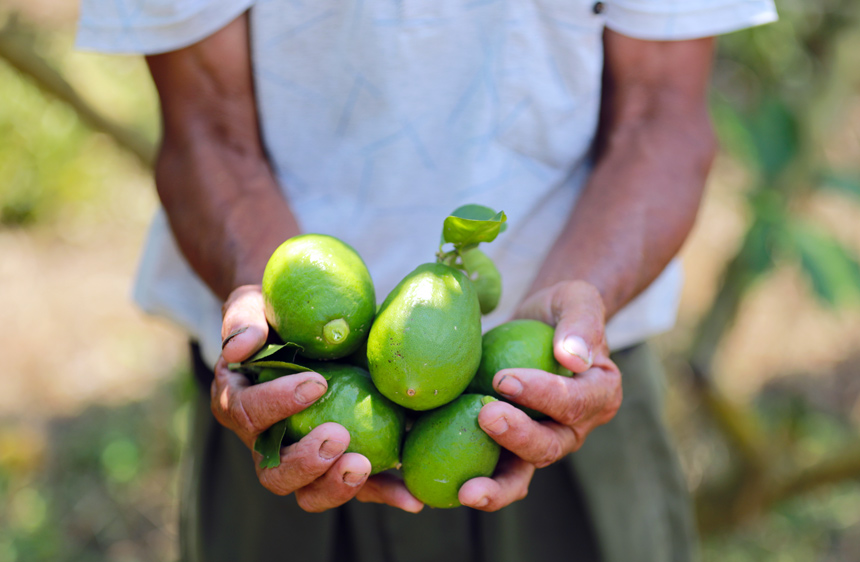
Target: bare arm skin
<point>654,151</point>
<point>228,216</point>
<point>655,148</point>
<point>212,175</point>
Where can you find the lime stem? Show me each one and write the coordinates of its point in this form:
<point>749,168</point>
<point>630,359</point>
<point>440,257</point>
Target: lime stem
<point>335,331</point>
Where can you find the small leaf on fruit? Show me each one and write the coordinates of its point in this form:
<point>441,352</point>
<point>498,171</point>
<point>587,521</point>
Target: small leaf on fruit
<point>474,212</point>
<point>268,444</point>
<point>270,370</point>
<point>470,225</point>
<point>288,349</point>
<point>832,269</point>
<point>271,362</point>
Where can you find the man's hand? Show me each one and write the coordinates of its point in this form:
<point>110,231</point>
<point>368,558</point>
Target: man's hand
<point>653,151</point>
<point>576,404</point>
<point>228,215</point>
<point>316,468</point>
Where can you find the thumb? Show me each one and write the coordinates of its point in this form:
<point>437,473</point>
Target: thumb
<point>244,329</point>
<point>579,324</point>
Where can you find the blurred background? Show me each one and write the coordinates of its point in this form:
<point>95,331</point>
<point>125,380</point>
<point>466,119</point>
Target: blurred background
<point>763,394</point>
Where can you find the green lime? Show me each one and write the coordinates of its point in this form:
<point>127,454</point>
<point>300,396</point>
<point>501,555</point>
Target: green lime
<point>375,424</point>
<point>358,357</point>
<point>445,448</point>
<point>518,344</point>
<point>319,294</point>
<point>425,344</point>
<point>486,278</point>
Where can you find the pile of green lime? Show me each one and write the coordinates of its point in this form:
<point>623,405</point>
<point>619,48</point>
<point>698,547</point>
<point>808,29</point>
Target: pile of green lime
<point>422,350</point>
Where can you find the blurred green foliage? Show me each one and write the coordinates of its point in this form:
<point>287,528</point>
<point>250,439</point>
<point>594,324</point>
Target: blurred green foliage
<point>51,163</point>
<point>44,162</point>
<point>822,527</point>
<point>780,93</point>
<point>104,486</point>
<point>101,488</point>
<point>778,86</point>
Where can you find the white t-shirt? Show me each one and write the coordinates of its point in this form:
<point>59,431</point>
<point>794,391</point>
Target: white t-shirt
<point>382,116</point>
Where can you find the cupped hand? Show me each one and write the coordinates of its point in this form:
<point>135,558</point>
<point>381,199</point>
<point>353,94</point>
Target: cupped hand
<point>316,468</point>
<point>576,405</point>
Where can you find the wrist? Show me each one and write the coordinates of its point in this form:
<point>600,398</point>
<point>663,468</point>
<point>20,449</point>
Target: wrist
<point>549,303</point>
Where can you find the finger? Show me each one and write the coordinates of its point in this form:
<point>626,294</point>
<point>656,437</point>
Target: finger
<point>305,461</point>
<point>510,483</point>
<point>244,329</point>
<point>579,319</point>
<point>390,490</point>
<point>338,485</point>
<point>592,396</point>
<point>539,443</point>
<point>249,410</point>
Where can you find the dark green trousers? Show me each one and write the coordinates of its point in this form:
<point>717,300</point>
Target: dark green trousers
<point>620,498</point>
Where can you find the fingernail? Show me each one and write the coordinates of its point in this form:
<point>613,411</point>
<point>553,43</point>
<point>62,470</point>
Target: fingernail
<point>309,391</point>
<point>497,426</point>
<point>354,478</point>
<point>233,335</point>
<point>510,386</point>
<point>575,345</point>
<point>483,502</point>
<point>330,449</point>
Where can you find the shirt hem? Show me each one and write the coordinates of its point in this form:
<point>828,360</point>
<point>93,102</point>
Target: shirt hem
<point>158,37</point>
<point>694,24</point>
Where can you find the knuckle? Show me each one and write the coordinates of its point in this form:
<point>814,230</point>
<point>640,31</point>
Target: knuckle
<point>520,440</point>
<point>522,493</point>
<point>272,484</point>
<point>304,467</point>
<point>575,411</point>
<point>610,406</point>
<point>240,419</point>
<point>578,438</point>
<point>549,455</point>
<point>304,460</point>
<point>216,406</point>
<point>587,290</point>
<point>214,397</point>
<point>493,507</point>
<point>308,503</point>
<point>614,405</point>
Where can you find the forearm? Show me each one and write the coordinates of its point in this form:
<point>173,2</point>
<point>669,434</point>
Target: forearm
<point>225,208</point>
<point>655,147</point>
<point>636,209</point>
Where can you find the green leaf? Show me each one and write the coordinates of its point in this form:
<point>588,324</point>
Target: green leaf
<point>767,139</point>
<point>268,444</point>
<point>833,271</point>
<point>470,225</point>
<point>485,277</point>
<point>474,212</point>
<point>843,182</point>
<point>272,349</point>
<point>766,233</point>
<point>735,137</point>
<point>267,365</point>
<point>272,356</point>
<point>756,254</point>
<point>266,371</point>
<point>776,136</point>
